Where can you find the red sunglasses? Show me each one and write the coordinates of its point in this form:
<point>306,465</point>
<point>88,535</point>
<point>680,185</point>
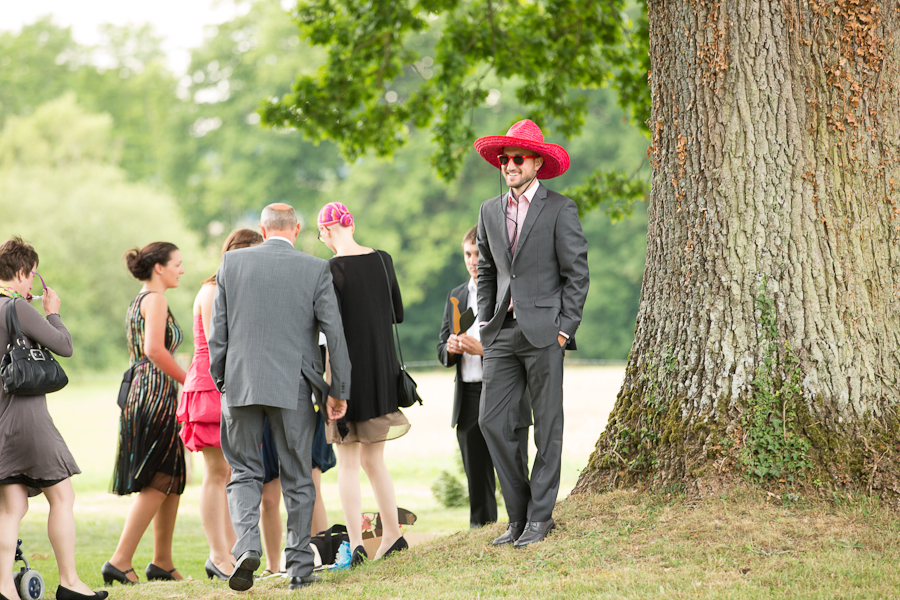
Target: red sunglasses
<point>518,159</point>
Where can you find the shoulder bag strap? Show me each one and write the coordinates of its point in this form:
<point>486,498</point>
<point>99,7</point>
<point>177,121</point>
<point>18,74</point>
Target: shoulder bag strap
<point>12,324</point>
<point>393,314</point>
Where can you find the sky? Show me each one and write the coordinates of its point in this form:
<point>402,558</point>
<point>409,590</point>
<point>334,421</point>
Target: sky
<point>180,22</point>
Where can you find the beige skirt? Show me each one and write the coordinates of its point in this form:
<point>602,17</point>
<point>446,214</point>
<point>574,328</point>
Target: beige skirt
<point>380,429</point>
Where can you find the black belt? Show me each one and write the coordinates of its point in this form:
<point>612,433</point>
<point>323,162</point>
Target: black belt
<point>509,320</point>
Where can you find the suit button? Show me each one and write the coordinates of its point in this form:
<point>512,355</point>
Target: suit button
<point>513,276</point>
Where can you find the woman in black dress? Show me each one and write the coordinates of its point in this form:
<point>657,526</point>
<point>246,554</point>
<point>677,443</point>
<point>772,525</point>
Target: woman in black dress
<point>361,282</point>
<point>150,459</point>
<point>33,455</point>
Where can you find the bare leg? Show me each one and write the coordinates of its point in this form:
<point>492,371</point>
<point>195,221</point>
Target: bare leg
<point>270,523</point>
<point>348,486</point>
<point>13,506</point>
<point>139,516</point>
<point>164,532</point>
<point>61,531</point>
<point>372,459</point>
<point>214,509</point>
<point>320,518</point>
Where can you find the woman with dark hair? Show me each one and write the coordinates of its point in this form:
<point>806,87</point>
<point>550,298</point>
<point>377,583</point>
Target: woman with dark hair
<point>150,457</point>
<point>33,456</point>
<point>365,297</point>
<point>200,412</point>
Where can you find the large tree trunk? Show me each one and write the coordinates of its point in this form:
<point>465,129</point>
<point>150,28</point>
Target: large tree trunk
<point>776,176</point>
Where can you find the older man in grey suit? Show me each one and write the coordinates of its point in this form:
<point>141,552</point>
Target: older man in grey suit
<point>271,302</point>
<point>532,284</point>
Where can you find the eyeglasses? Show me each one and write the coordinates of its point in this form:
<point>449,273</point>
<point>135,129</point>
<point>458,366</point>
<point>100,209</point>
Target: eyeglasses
<point>319,237</point>
<point>518,159</point>
<point>30,296</point>
<point>41,278</point>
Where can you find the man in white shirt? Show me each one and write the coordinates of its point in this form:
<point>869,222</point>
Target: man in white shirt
<point>464,350</point>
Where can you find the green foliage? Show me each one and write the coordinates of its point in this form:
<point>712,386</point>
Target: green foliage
<point>81,214</point>
<point>57,135</point>
<point>223,166</point>
<point>123,77</point>
<point>439,63</point>
<point>774,449</point>
<point>615,191</point>
<point>196,139</point>
<point>35,66</point>
<point>449,491</point>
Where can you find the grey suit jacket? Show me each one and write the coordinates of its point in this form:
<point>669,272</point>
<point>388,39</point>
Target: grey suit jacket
<point>270,302</point>
<point>547,277</point>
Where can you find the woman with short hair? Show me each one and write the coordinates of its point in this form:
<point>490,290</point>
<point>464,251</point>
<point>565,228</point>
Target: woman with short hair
<point>34,457</point>
<point>369,296</point>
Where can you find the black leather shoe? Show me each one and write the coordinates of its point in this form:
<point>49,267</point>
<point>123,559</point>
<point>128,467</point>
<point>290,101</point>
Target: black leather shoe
<point>241,579</point>
<point>358,557</point>
<point>298,583</point>
<point>112,574</point>
<point>67,594</point>
<point>535,531</point>
<point>213,572</point>
<point>513,532</point>
<point>399,545</point>
<point>155,573</point>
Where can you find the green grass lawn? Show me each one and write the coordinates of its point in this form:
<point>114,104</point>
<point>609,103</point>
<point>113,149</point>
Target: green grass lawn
<point>624,544</point>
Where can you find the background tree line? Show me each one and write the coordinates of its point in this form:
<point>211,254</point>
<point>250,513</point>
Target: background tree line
<point>104,148</point>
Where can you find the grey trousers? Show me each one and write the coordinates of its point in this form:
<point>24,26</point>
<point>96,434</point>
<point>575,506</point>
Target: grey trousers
<point>292,430</point>
<point>510,363</point>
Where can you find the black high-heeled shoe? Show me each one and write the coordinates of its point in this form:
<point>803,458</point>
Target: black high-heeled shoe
<point>112,574</point>
<point>155,573</point>
<point>399,545</point>
<point>67,594</point>
<point>358,557</point>
<point>212,571</point>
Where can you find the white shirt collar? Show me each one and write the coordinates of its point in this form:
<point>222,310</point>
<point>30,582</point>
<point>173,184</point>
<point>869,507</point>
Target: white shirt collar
<point>283,239</point>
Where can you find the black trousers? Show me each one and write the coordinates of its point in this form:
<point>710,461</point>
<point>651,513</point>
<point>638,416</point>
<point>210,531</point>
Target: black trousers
<point>476,458</point>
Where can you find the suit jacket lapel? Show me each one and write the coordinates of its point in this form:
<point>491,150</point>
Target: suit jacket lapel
<point>464,298</point>
<point>537,204</point>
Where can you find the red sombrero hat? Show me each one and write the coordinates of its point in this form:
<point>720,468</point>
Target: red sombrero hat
<point>525,134</point>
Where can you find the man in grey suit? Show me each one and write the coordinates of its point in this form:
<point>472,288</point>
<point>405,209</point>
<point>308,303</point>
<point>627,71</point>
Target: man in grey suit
<point>532,284</point>
<point>271,302</point>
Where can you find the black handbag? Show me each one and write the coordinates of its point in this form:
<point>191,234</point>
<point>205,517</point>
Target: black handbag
<point>328,542</point>
<point>407,394</point>
<point>28,371</point>
<point>125,386</point>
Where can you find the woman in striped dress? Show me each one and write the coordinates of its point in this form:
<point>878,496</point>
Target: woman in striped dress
<point>150,457</point>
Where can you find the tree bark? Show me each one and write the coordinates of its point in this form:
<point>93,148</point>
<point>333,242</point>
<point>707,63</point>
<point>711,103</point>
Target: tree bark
<point>776,158</point>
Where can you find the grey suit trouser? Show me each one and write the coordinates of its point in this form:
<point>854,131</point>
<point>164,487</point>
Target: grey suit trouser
<point>511,362</point>
<point>292,431</point>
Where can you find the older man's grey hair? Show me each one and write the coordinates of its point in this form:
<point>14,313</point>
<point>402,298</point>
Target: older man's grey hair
<point>279,217</point>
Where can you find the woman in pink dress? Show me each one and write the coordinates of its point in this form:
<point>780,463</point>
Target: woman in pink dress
<point>199,412</point>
